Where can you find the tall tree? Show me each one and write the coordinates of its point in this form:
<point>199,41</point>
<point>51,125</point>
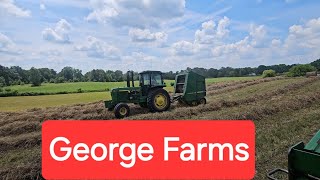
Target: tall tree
<point>35,77</point>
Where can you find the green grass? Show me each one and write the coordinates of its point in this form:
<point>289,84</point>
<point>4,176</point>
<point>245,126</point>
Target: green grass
<point>100,86</point>
<point>70,87</point>
<point>27,102</point>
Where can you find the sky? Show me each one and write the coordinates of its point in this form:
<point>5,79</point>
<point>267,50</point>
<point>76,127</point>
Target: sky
<point>166,35</point>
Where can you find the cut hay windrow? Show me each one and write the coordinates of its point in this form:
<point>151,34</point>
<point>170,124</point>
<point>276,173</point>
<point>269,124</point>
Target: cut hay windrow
<point>294,103</point>
<point>242,85</point>
<point>188,112</point>
<point>19,127</point>
<point>221,85</point>
<point>26,140</point>
<point>28,171</point>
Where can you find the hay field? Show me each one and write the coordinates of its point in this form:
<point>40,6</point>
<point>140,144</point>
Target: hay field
<point>284,110</point>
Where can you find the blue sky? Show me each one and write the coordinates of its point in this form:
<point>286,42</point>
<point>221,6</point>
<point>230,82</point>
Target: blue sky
<point>160,35</point>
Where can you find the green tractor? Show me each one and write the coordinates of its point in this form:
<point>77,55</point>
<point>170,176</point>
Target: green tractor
<point>189,88</point>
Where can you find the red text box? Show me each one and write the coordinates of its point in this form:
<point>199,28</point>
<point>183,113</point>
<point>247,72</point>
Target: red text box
<point>149,149</point>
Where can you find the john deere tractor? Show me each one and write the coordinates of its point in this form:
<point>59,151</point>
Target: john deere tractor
<point>150,94</point>
<point>189,88</point>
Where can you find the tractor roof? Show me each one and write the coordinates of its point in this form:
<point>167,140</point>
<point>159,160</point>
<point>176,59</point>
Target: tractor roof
<point>149,72</point>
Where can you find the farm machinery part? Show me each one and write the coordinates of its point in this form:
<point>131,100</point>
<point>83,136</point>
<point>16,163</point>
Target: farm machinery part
<point>190,88</point>
<point>303,161</point>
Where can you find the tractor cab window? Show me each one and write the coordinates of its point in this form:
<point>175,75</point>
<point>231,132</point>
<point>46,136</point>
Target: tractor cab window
<point>156,79</point>
<point>145,79</point>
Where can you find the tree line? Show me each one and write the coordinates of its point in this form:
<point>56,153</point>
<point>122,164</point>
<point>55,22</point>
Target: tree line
<point>15,75</point>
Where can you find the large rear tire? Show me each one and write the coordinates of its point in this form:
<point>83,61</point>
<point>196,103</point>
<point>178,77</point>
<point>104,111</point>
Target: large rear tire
<point>121,110</point>
<point>158,100</point>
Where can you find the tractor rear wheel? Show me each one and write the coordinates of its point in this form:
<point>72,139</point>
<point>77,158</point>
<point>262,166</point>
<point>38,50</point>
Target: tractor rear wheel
<point>158,100</point>
<point>121,110</point>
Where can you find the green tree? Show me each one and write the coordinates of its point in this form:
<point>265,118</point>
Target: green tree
<point>118,75</point>
<point>300,70</point>
<point>35,77</point>
<point>269,73</point>
<point>2,82</point>
<point>316,64</point>
<point>66,73</point>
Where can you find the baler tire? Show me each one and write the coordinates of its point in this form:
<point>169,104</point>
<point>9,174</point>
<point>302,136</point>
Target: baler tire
<point>202,101</point>
<point>121,110</point>
<point>158,93</point>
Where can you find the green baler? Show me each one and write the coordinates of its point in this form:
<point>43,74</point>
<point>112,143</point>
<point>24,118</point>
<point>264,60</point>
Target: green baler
<point>190,88</point>
<point>303,161</point>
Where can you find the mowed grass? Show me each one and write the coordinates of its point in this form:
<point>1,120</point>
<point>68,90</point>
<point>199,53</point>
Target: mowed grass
<point>27,102</point>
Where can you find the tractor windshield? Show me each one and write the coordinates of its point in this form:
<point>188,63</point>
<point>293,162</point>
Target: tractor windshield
<point>153,79</point>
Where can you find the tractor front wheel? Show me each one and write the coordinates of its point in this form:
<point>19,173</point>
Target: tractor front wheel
<point>158,100</point>
<point>121,110</point>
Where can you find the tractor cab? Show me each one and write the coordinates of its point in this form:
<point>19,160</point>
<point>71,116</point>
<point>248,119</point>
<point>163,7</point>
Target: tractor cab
<point>150,80</point>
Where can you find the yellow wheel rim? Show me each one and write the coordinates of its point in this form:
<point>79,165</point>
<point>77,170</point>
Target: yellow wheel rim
<point>123,111</point>
<point>160,101</point>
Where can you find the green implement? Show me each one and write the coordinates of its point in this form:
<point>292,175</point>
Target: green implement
<point>190,88</point>
<point>303,161</point>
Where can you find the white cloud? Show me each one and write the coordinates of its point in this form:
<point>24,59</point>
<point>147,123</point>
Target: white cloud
<point>301,45</point>
<point>7,45</point>
<point>209,33</point>
<point>183,48</point>
<point>276,43</point>
<point>99,49</point>
<point>136,13</point>
<point>5,42</point>
<point>239,47</point>
<point>256,39</point>
<point>145,35</point>
<point>9,7</point>
<point>258,35</point>
<point>59,34</point>
<point>304,36</point>
<point>42,6</point>
<point>138,59</point>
